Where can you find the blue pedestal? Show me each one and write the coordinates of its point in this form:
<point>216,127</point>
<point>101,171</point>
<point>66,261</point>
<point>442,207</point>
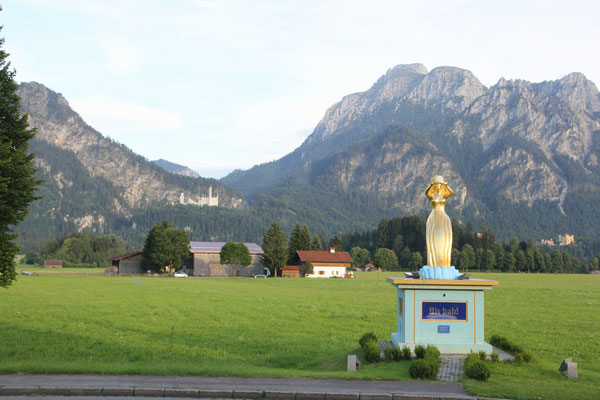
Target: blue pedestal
<point>448,314</point>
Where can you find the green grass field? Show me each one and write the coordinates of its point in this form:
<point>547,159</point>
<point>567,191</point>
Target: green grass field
<point>72,323</point>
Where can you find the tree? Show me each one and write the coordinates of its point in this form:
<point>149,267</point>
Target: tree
<point>398,245</point>
<point>165,248</point>
<point>275,249</point>
<point>520,261</point>
<point>360,256</point>
<point>317,242</point>
<point>489,260</point>
<point>385,259</point>
<point>299,240</point>
<point>336,243</point>
<point>479,257</point>
<point>540,260</point>
<point>17,183</point>
<point>416,261</point>
<point>557,261</point>
<point>509,263</point>
<point>455,257</point>
<point>236,255</point>
<point>405,256</point>
<point>306,268</point>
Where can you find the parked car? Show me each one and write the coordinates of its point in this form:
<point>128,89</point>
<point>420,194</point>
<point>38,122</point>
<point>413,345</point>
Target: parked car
<point>180,274</point>
<point>265,273</point>
<point>26,273</point>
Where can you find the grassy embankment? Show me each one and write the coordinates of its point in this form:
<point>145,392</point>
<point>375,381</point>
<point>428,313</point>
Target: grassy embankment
<point>282,327</point>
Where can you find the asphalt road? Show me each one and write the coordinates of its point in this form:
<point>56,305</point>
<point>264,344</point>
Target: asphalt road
<point>124,386</point>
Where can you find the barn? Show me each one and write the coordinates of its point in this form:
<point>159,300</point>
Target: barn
<point>207,261</point>
<point>128,263</point>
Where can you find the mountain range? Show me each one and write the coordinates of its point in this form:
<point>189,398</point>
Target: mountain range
<point>521,157</point>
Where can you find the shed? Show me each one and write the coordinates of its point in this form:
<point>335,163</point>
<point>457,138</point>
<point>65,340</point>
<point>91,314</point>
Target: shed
<point>52,264</point>
<point>207,260</point>
<point>290,271</point>
<point>128,263</point>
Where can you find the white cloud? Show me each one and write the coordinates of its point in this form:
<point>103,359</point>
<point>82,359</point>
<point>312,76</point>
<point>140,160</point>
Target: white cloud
<point>116,117</point>
<point>121,55</point>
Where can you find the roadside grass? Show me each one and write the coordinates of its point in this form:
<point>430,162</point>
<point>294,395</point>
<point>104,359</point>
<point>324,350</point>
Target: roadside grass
<point>243,327</point>
<point>62,323</point>
<point>58,271</point>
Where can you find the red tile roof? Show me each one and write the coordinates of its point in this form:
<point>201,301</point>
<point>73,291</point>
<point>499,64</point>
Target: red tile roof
<point>324,256</point>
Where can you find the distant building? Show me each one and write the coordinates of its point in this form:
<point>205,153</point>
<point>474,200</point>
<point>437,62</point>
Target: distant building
<point>326,264</point>
<point>128,263</point>
<point>566,239</point>
<point>206,260</point>
<point>209,200</point>
<point>290,271</point>
<point>563,240</point>
<point>52,264</point>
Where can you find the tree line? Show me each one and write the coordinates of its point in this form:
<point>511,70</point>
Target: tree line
<point>80,250</point>
<point>399,243</point>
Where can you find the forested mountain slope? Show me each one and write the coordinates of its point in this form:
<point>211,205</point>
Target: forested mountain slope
<point>91,182</point>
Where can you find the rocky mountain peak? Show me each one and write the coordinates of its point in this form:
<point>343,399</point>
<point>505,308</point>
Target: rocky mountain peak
<point>38,99</point>
<point>456,88</point>
<point>403,69</point>
<point>576,90</point>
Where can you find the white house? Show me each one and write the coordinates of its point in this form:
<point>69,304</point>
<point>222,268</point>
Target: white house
<point>326,264</point>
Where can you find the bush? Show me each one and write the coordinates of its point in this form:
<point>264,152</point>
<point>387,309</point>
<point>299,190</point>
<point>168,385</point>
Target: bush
<point>482,355</point>
<point>477,370</point>
<point>432,352</point>
<point>367,337</point>
<point>420,351</point>
<point>427,364</point>
<point>517,351</point>
<point>387,353</point>
<point>406,353</point>
<point>372,353</point>
<point>421,369</point>
<point>471,357</point>
<point>396,353</point>
<point>494,357</point>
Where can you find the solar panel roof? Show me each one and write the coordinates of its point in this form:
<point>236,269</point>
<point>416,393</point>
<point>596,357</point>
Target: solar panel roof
<point>215,247</point>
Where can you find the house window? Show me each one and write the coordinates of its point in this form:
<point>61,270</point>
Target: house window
<point>321,272</point>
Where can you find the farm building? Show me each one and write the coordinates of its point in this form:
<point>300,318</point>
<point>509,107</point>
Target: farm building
<point>52,264</point>
<point>326,264</point>
<point>290,271</point>
<point>128,263</point>
<point>207,261</point>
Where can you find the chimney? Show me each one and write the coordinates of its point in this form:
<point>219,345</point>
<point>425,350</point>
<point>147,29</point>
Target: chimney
<point>332,250</point>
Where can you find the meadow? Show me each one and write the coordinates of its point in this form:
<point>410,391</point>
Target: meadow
<point>75,323</point>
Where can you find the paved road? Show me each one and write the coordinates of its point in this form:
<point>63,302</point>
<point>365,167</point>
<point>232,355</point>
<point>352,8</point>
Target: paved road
<point>219,387</point>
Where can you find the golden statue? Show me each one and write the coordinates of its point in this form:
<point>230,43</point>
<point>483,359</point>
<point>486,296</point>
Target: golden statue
<point>439,227</point>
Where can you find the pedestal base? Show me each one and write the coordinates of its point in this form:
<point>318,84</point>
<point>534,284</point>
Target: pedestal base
<point>446,348</point>
<point>448,314</point>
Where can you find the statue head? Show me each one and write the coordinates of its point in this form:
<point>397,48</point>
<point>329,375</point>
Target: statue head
<point>438,191</point>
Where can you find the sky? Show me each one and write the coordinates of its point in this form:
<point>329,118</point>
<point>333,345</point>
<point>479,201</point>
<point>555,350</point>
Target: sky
<point>219,85</point>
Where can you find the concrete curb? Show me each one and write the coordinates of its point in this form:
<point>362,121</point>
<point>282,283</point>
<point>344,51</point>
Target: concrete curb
<point>221,394</point>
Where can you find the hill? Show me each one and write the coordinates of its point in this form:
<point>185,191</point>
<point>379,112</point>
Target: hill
<point>93,183</point>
